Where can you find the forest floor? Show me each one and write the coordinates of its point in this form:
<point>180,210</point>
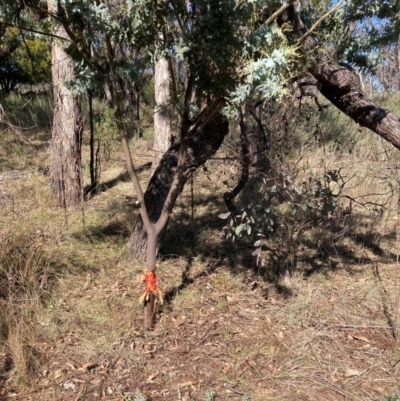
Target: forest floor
<point>72,323</point>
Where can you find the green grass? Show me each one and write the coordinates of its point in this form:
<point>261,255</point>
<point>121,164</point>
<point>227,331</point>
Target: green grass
<point>29,112</point>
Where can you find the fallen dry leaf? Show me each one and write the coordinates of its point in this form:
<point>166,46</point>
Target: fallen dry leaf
<point>58,373</point>
<point>361,338</point>
<point>226,368</point>
<point>151,377</point>
<point>230,300</point>
<point>186,384</point>
<point>186,396</point>
<point>71,365</point>
<point>79,381</point>
<point>351,372</point>
<point>87,366</point>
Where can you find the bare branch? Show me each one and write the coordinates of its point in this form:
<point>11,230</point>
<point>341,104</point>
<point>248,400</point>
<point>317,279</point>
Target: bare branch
<point>205,116</point>
<point>279,11</point>
<point>173,79</point>
<point>319,21</point>
<point>128,157</point>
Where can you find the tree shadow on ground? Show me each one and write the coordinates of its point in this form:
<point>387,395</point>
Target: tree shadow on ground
<point>339,248</point>
<point>327,254</point>
<point>123,177</point>
<point>115,230</point>
<point>186,280</point>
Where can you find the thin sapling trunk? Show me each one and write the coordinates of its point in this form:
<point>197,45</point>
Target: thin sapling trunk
<point>152,229</point>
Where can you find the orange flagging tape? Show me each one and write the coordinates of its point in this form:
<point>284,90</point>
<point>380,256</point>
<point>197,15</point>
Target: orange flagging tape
<point>151,282</point>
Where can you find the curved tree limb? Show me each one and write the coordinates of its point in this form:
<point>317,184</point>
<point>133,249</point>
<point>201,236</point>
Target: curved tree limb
<point>341,86</point>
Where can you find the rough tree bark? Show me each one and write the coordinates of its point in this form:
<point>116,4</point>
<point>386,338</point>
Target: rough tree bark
<point>65,157</point>
<point>200,149</point>
<point>162,115</point>
<point>341,86</point>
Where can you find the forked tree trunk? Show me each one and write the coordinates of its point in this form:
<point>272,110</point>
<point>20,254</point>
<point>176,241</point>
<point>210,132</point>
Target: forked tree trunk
<point>200,149</point>
<point>65,157</point>
<point>162,115</point>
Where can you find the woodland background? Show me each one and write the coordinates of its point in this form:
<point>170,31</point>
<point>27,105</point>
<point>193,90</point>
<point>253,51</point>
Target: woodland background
<point>261,135</point>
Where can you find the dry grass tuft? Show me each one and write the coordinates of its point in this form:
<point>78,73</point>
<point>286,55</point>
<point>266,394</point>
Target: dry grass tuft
<point>22,356</point>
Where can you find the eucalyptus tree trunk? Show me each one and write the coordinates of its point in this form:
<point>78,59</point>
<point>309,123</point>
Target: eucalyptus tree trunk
<point>65,156</point>
<point>162,115</point>
<point>200,149</point>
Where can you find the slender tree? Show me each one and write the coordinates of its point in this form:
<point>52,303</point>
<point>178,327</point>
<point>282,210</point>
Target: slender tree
<point>67,128</point>
<point>162,113</point>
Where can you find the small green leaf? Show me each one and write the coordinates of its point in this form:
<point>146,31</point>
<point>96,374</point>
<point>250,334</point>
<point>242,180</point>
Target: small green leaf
<point>224,215</point>
<point>238,229</point>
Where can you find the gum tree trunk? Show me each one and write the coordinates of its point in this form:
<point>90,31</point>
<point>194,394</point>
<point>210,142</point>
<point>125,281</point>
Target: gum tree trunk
<point>162,115</point>
<point>200,149</point>
<point>65,157</point>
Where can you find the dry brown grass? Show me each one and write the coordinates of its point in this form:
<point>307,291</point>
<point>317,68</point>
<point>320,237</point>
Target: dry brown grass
<point>72,325</point>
